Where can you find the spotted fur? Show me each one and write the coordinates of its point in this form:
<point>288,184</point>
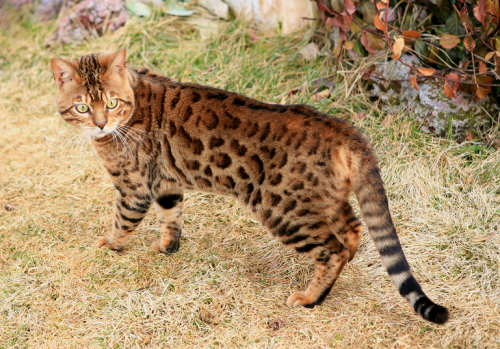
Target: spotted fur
<point>290,165</point>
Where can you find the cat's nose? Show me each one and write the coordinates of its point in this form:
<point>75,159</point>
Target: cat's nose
<point>101,125</point>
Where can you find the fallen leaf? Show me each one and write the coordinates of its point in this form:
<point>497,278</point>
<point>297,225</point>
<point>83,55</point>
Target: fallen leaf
<point>295,90</point>
<point>448,91</point>
<point>179,11</point>
<point>484,238</point>
<point>483,69</point>
<point>378,23</point>
<point>426,71</point>
<point>466,65</point>
<point>382,87</point>
<point>411,34</point>
<point>358,116</point>
<point>449,41</point>
<point>496,144</point>
<point>321,82</point>
<point>398,48</point>
<point>413,82</point>
<point>453,85</point>
<point>276,324</point>
<point>468,137</point>
<point>10,207</point>
<point>319,96</point>
<point>488,56</point>
<point>310,51</point>
<point>482,92</point>
<point>349,45</point>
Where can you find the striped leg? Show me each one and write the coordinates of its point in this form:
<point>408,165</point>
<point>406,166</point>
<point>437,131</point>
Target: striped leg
<point>129,212</point>
<point>169,212</point>
<point>348,227</point>
<point>329,254</point>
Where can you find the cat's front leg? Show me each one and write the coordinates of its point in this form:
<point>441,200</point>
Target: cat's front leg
<point>130,209</point>
<point>169,212</point>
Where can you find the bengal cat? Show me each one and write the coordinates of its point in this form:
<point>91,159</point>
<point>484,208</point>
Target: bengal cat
<point>291,165</point>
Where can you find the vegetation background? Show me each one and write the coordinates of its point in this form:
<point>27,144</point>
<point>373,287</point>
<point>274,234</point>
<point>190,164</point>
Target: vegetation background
<point>227,285</point>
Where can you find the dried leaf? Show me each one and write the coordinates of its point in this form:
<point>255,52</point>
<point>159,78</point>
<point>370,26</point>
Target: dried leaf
<point>464,17</point>
<point>448,91</point>
<point>478,15</point>
<point>488,56</point>
<point>449,41</point>
<point>411,34</point>
<point>349,7</point>
<point>468,137</point>
<point>319,96</point>
<point>395,85</point>
<point>482,92</point>
<point>452,84</point>
<point>496,146</point>
<point>398,48</point>
<point>483,69</point>
<point>378,23</point>
<point>426,71</point>
<point>497,64</point>
<point>466,64</point>
<point>382,87</point>
<point>469,43</point>
<point>413,82</point>
<point>384,1</point>
<point>349,45</point>
<point>322,82</point>
<point>371,42</point>
<point>295,90</point>
<point>276,324</point>
<point>358,116</point>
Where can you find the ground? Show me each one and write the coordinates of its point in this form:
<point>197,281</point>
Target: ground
<point>227,285</point>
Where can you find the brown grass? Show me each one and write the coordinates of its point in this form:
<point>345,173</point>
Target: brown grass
<point>227,285</point>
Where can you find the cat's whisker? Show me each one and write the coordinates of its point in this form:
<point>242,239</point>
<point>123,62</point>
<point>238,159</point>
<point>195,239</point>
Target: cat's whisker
<point>133,135</point>
<point>133,128</point>
<point>66,144</point>
<point>124,142</point>
<point>128,138</point>
<point>75,143</point>
<point>130,130</point>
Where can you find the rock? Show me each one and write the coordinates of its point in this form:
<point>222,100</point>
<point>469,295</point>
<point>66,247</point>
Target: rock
<point>272,14</point>
<point>83,19</point>
<point>429,105</point>
<point>217,7</point>
<point>9,207</point>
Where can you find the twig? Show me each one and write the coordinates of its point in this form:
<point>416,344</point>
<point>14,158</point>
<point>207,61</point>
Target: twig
<point>454,147</point>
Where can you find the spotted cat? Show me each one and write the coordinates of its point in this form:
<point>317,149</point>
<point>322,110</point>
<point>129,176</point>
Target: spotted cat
<point>291,165</point>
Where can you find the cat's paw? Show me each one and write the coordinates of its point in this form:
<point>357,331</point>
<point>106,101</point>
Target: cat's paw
<point>167,248</point>
<point>300,299</point>
<point>104,242</point>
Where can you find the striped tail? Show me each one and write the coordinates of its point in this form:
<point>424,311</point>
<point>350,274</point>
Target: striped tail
<point>372,199</point>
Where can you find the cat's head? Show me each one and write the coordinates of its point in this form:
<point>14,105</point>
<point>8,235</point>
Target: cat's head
<point>94,92</point>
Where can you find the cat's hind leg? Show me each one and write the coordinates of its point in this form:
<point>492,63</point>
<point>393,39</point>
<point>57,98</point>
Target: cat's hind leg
<point>348,228</point>
<point>129,212</point>
<point>322,245</point>
<point>169,212</point>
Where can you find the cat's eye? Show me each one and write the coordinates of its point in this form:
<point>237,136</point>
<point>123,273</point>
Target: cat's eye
<point>82,108</point>
<point>112,103</point>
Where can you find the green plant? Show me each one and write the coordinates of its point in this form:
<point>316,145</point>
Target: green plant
<point>457,41</point>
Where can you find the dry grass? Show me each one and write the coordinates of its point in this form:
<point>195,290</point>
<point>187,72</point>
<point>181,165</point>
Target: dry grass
<point>227,285</point>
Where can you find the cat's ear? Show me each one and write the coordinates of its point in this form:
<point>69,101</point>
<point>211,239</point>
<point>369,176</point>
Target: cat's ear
<point>115,63</point>
<point>64,72</point>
